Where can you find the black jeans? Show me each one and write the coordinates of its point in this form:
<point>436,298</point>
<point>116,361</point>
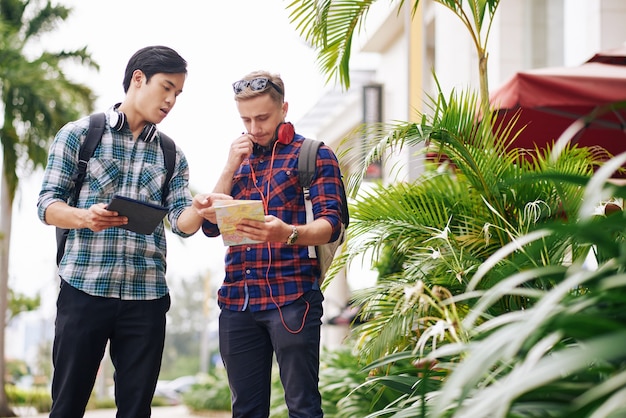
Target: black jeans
<point>84,324</point>
<point>247,343</point>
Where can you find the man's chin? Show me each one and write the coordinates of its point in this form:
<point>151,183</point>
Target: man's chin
<point>160,117</point>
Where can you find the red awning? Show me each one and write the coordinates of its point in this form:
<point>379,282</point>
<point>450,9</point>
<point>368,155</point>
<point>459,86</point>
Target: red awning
<point>549,100</point>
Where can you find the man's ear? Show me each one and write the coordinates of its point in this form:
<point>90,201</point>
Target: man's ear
<point>137,78</point>
<point>285,109</point>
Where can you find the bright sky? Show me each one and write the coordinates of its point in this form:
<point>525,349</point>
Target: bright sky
<point>221,42</point>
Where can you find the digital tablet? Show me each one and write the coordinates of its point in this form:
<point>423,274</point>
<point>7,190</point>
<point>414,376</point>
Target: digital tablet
<point>143,217</point>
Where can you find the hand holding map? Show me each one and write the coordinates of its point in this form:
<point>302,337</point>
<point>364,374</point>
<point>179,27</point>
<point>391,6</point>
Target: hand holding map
<point>230,212</point>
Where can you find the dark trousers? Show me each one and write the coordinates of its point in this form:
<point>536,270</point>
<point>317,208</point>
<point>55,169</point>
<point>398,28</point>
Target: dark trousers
<point>84,324</point>
<point>247,343</point>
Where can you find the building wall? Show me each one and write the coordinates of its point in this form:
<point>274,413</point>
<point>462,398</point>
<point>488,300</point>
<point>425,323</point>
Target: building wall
<point>612,27</point>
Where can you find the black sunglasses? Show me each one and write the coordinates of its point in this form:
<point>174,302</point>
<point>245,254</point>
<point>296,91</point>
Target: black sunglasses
<point>256,84</point>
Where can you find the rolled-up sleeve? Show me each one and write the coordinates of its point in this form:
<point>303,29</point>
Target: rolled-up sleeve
<point>179,197</point>
<point>210,229</point>
<point>326,190</point>
<point>57,181</point>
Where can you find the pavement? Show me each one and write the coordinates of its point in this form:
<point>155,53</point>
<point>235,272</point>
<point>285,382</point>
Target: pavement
<point>180,411</point>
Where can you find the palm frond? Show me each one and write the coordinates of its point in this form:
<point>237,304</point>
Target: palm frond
<point>329,26</point>
<point>37,96</point>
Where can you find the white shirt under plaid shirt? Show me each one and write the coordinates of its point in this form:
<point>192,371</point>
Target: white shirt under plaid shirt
<point>114,263</point>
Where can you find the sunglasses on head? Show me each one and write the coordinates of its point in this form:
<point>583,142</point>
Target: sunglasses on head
<point>256,84</point>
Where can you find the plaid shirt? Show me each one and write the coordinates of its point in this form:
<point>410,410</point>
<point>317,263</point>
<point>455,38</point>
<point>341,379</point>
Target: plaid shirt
<point>114,263</point>
<point>253,268</point>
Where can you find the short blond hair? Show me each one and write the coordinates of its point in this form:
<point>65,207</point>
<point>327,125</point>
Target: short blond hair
<point>277,96</point>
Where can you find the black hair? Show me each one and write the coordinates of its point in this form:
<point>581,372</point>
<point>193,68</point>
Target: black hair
<point>152,60</point>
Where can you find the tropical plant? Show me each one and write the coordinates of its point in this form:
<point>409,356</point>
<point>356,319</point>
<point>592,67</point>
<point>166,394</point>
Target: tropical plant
<point>492,243</point>
<point>562,356</point>
<point>499,227</point>
<point>448,226</point>
<point>471,230</point>
<point>341,384</point>
<point>36,100</point>
<point>449,222</point>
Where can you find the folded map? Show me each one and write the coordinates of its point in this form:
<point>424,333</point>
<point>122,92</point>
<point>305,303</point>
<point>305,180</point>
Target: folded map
<point>230,212</point>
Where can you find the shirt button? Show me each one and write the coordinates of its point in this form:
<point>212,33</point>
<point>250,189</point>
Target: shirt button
<point>261,161</point>
<point>248,248</point>
<point>247,271</point>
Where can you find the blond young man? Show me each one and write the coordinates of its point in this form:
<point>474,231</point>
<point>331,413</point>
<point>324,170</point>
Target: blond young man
<point>270,300</point>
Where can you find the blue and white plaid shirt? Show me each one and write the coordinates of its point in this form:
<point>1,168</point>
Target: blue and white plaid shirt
<point>114,263</point>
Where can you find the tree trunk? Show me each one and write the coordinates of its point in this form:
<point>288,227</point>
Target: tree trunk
<point>6,215</point>
<point>484,83</point>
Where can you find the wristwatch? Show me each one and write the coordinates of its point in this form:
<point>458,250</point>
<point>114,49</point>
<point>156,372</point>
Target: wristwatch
<point>294,235</point>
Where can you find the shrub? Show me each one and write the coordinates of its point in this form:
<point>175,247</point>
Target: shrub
<point>212,395</point>
<point>38,398</point>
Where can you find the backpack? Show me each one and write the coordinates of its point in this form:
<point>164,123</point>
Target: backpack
<point>94,135</point>
<point>325,253</point>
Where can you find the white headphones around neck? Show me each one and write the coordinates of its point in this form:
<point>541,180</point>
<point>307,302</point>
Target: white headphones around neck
<point>117,121</point>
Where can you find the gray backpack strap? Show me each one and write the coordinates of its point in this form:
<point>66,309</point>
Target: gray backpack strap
<point>306,165</point>
<point>306,172</point>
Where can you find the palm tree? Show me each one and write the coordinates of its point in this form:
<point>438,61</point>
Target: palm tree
<point>485,244</point>
<point>449,222</point>
<point>37,99</point>
<point>330,25</point>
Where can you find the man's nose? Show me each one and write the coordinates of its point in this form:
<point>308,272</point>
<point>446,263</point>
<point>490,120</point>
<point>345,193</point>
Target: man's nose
<point>171,99</point>
<point>255,128</point>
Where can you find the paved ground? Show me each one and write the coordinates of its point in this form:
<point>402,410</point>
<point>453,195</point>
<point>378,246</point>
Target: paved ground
<point>180,411</point>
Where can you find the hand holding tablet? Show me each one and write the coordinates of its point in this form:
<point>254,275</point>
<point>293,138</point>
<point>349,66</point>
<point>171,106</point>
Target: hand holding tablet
<point>143,217</point>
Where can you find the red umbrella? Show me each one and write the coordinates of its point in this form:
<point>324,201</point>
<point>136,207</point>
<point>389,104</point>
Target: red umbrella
<point>615,56</point>
<point>549,100</point>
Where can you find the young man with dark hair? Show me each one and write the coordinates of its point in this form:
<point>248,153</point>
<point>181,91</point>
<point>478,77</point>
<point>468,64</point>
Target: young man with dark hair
<point>270,300</point>
<point>113,287</point>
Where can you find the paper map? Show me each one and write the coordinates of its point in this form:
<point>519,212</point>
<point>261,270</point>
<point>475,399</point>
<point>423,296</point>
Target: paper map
<point>230,212</point>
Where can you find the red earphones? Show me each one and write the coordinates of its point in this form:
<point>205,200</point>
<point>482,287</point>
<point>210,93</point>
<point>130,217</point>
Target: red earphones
<point>284,133</point>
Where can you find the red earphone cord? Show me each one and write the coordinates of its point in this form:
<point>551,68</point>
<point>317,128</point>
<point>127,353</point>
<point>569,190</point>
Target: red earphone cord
<point>265,201</point>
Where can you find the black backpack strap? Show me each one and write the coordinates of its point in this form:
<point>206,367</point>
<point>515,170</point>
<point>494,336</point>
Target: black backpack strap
<point>169,155</point>
<point>94,134</point>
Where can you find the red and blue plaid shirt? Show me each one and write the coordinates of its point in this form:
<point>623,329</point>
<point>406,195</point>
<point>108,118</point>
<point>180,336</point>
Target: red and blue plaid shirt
<point>264,276</point>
